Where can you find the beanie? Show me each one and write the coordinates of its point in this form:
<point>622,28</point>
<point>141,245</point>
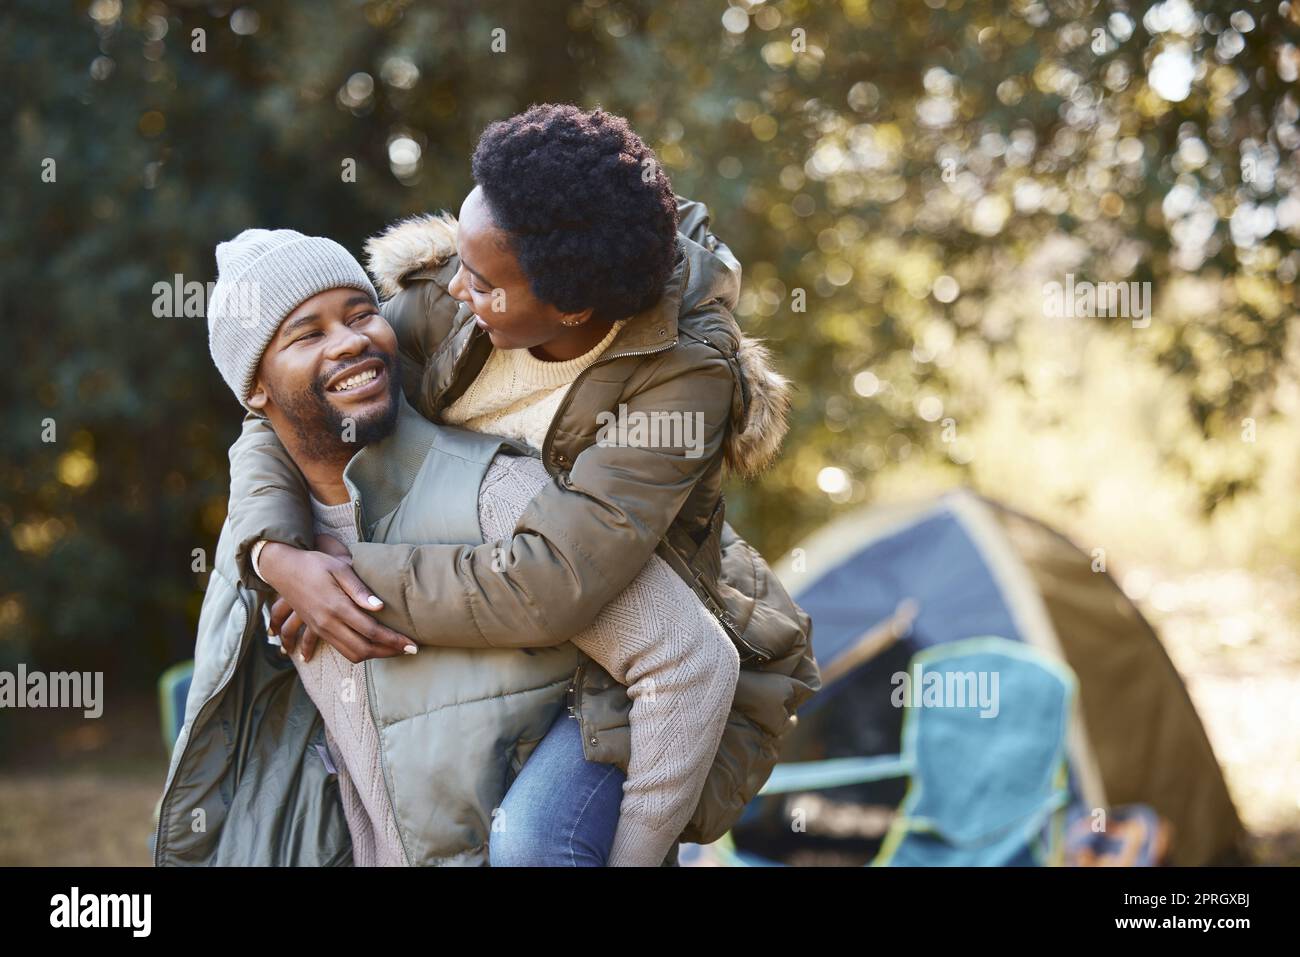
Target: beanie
<point>262,276</point>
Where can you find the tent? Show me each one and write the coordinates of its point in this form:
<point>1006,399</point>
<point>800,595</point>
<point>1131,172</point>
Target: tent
<point>887,582</point>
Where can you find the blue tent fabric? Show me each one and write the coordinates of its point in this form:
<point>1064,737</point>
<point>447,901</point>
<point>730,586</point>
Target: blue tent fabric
<point>933,562</point>
<point>942,561</point>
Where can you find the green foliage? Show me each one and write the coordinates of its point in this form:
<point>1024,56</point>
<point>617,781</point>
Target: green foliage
<point>897,162</point>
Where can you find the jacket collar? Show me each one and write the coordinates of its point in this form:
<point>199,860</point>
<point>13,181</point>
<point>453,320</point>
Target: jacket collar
<point>381,474</point>
<point>655,328</point>
<point>705,270</point>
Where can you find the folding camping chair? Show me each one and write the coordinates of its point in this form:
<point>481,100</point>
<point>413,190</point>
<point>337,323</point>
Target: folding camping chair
<point>173,688</point>
<point>982,790</point>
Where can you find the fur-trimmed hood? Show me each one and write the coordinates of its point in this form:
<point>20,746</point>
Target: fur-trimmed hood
<point>756,436</point>
<point>408,246</point>
<point>418,247</point>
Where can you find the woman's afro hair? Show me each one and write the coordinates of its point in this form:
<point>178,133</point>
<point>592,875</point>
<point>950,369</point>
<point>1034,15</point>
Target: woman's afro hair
<point>587,207</point>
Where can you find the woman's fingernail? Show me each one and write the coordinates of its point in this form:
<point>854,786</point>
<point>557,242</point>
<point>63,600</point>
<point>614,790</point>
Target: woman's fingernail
<point>374,601</point>
<point>410,649</point>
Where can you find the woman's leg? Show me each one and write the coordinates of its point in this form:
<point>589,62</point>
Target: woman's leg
<point>562,810</point>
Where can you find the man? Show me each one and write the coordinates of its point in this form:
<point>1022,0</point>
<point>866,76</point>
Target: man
<point>326,381</point>
<point>255,777</point>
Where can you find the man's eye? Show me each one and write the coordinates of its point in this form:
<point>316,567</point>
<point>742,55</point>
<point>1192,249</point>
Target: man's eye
<point>305,336</point>
<point>362,317</point>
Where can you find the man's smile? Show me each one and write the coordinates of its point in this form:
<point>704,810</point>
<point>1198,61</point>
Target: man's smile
<point>359,381</point>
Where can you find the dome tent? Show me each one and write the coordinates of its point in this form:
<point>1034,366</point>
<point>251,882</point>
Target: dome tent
<point>886,582</point>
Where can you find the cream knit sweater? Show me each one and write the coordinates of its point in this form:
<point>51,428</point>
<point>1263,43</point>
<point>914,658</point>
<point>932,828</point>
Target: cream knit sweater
<point>655,637</point>
<point>517,395</point>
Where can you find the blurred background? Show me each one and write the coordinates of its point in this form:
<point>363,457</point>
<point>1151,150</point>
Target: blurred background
<point>900,179</point>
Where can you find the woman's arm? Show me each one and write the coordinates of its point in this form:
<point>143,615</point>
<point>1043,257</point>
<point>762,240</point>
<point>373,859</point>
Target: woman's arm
<point>579,543</point>
<point>582,540</point>
<point>268,497</point>
<point>269,500</point>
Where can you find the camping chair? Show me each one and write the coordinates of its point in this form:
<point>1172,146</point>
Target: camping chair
<point>982,791</point>
<point>173,688</point>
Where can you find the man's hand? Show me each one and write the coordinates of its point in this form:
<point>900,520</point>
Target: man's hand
<point>322,594</point>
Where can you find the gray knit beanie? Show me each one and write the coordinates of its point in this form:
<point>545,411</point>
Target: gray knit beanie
<point>262,276</point>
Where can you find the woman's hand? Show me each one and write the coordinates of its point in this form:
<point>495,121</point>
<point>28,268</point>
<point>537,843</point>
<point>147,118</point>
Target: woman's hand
<point>332,546</point>
<point>321,593</point>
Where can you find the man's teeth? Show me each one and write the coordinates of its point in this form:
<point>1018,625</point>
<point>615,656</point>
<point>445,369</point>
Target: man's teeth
<point>361,378</point>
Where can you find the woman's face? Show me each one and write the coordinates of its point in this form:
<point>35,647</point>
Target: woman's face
<point>491,282</point>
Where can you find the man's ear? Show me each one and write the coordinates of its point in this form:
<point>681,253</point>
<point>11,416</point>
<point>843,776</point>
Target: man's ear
<point>258,398</point>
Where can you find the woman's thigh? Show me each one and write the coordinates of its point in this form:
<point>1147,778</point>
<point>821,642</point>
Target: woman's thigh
<point>562,810</point>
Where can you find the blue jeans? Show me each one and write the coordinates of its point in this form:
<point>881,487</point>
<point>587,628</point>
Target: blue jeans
<point>562,810</point>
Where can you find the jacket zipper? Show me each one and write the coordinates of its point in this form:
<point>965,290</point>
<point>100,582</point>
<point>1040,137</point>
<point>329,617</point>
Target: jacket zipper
<point>370,702</point>
<point>579,677</point>
<point>724,617</point>
<point>185,750</point>
<point>457,365</point>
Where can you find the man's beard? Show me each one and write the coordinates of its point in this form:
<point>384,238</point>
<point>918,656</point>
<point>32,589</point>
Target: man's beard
<point>321,427</point>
